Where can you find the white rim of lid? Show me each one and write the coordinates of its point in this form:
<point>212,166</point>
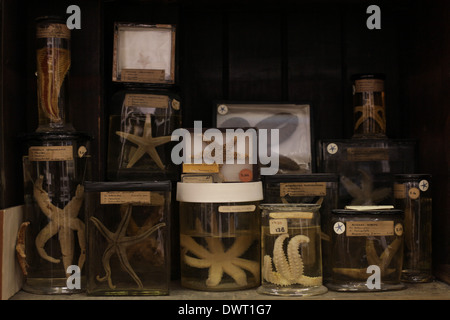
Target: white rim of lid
<point>219,192</point>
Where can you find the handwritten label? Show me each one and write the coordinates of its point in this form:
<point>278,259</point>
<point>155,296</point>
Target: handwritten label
<point>302,189</point>
<point>278,226</point>
<point>50,153</point>
<point>370,228</point>
<point>245,208</point>
<point>120,197</point>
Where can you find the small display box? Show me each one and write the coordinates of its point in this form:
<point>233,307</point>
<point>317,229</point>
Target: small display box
<point>367,249</point>
<point>291,250</point>
<point>140,135</point>
<point>293,131</point>
<point>128,238</point>
<point>144,53</point>
<point>318,188</point>
<point>366,167</point>
<point>219,155</point>
<point>220,235</point>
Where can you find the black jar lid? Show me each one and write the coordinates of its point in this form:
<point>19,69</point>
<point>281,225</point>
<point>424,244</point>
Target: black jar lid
<point>55,136</point>
<point>311,177</point>
<point>363,76</point>
<point>353,212</point>
<point>50,19</point>
<point>95,186</point>
<point>412,176</point>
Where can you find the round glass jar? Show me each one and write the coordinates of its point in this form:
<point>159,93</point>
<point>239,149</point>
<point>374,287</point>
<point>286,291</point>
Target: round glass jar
<point>219,235</point>
<point>412,193</point>
<point>291,250</point>
<point>367,250</point>
<point>369,108</point>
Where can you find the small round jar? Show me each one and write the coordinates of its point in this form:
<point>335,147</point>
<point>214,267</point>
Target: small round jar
<point>219,235</point>
<point>291,250</point>
<point>369,107</point>
<point>367,249</point>
<point>412,193</point>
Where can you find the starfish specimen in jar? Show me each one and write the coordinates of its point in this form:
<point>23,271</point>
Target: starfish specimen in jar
<point>371,111</point>
<point>118,243</point>
<point>62,222</point>
<point>364,194</point>
<point>288,270</point>
<point>53,64</point>
<point>146,143</point>
<point>220,260</point>
<point>372,257</point>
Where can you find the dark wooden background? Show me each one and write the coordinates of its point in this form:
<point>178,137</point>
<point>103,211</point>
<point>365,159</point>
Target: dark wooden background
<point>282,50</point>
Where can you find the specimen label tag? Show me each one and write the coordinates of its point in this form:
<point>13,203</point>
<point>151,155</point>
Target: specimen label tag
<point>198,179</point>
<point>364,85</point>
<point>278,226</point>
<point>369,228</point>
<point>55,30</point>
<point>246,208</point>
<point>399,191</point>
<point>292,215</point>
<point>367,154</point>
<point>50,153</point>
<point>120,197</point>
<point>200,168</point>
<point>301,189</point>
<point>142,75</point>
<point>146,101</point>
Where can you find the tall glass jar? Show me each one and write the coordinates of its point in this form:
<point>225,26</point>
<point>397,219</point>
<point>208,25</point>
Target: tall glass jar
<point>412,193</point>
<point>367,249</point>
<point>53,62</point>
<point>55,167</point>
<point>291,250</point>
<point>128,234</point>
<point>220,235</point>
<point>369,108</point>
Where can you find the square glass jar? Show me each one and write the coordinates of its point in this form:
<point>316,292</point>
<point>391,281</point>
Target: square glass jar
<point>367,249</point>
<point>128,238</point>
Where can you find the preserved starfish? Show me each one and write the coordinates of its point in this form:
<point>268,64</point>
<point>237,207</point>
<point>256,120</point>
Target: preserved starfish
<point>364,194</point>
<point>382,261</point>
<point>146,144</point>
<point>118,243</point>
<point>219,260</point>
<point>53,64</point>
<point>371,111</point>
<point>290,270</point>
<point>62,222</point>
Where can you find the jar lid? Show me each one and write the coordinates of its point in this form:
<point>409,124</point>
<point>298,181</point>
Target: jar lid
<point>219,192</point>
<point>313,177</point>
<point>362,76</point>
<point>94,186</point>
<point>412,176</point>
<point>368,210</point>
<point>290,206</point>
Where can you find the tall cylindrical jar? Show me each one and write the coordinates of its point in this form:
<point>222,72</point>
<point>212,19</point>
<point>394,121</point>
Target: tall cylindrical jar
<point>412,193</point>
<point>291,250</point>
<point>220,235</point>
<point>367,249</point>
<point>369,108</point>
<point>55,167</point>
<point>53,60</point>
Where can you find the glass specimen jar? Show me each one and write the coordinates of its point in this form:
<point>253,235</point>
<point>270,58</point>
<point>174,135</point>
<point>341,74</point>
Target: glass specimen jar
<point>220,235</point>
<point>369,108</point>
<point>320,188</point>
<point>367,249</point>
<point>291,250</point>
<point>55,167</point>
<point>412,193</point>
<point>128,235</point>
<point>53,62</point>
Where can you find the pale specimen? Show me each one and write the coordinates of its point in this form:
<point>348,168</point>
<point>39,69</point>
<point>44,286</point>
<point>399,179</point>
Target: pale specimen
<point>220,260</point>
<point>289,270</point>
<point>371,111</point>
<point>20,247</point>
<point>118,242</point>
<point>62,222</point>
<point>145,144</point>
<point>364,194</point>
<point>53,64</point>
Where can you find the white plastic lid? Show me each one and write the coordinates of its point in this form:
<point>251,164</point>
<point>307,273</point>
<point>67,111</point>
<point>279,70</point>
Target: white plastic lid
<point>219,192</point>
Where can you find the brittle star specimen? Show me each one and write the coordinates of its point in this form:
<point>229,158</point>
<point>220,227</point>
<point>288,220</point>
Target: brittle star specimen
<point>118,243</point>
<point>372,257</point>
<point>364,194</point>
<point>62,222</point>
<point>146,144</point>
<point>371,111</point>
<point>220,260</point>
<point>288,270</point>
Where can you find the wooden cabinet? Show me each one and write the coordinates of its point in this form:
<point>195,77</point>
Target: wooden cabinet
<point>282,50</point>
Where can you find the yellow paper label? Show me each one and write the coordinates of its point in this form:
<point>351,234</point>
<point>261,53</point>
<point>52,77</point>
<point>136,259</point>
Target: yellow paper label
<point>146,101</point>
<point>369,228</point>
<point>399,191</point>
<point>200,168</point>
<point>50,153</point>
<point>142,75</point>
<point>367,154</point>
<point>278,226</point>
<point>121,197</point>
<point>301,189</point>
<point>55,30</point>
<point>245,208</point>
<point>364,85</point>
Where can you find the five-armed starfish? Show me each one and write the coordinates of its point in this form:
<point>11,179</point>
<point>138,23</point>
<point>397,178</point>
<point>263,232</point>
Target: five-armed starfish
<point>118,243</point>
<point>219,260</point>
<point>365,194</point>
<point>371,112</point>
<point>146,143</point>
